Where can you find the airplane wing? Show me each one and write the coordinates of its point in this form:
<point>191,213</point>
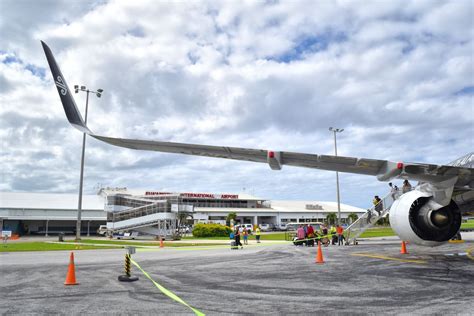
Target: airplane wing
<point>383,169</point>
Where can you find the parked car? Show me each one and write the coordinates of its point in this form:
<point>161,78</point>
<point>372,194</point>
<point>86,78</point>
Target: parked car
<point>125,235</point>
<point>247,227</point>
<point>184,229</point>
<point>102,230</point>
<point>282,227</point>
<point>267,227</point>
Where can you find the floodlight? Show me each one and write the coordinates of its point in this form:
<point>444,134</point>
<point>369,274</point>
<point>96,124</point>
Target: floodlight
<point>83,88</point>
<point>100,90</point>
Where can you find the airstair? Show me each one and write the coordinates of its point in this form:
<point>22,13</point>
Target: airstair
<point>369,218</point>
<point>145,215</point>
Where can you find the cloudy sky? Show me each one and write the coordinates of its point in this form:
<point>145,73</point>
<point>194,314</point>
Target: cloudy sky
<point>396,75</point>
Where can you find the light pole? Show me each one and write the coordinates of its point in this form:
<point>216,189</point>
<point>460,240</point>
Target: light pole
<point>337,130</point>
<point>98,93</point>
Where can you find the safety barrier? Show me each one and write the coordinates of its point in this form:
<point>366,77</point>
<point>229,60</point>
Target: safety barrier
<point>167,292</point>
<point>127,277</point>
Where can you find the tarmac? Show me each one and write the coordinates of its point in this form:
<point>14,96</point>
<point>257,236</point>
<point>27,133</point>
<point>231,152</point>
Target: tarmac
<point>268,278</point>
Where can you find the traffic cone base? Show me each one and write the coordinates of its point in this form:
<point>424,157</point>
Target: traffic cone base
<point>404,251</point>
<point>71,273</point>
<point>319,255</point>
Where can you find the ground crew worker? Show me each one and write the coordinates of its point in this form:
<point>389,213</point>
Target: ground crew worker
<point>339,231</point>
<point>333,232</point>
<point>257,234</point>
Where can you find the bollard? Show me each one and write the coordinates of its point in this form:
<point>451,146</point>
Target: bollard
<point>127,277</point>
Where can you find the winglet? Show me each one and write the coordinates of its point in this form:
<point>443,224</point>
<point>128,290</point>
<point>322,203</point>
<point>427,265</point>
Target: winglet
<point>72,113</point>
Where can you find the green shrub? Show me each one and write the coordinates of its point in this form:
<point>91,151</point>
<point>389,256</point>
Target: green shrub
<point>211,230</point>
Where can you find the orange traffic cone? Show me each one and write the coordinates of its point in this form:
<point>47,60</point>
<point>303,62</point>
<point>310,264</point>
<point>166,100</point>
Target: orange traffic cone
<point>403,251</point>
<point>319,255</point>
<point>71,273</point>
<point>162,244</point>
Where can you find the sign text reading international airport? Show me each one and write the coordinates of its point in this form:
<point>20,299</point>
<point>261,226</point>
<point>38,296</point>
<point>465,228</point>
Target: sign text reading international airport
<point>198,195</point>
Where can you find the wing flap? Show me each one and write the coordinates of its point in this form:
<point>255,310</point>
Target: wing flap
<point>333,163</point>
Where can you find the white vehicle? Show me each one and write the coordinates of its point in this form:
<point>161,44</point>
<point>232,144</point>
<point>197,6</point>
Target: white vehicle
<point>282,226</point>
<point>430,215</point>
<point>266,227</point>
<point>292,226</point>
<point>184,229</point>
<point>126,235</point>
<point>247,227</point>
<point>102,230</point>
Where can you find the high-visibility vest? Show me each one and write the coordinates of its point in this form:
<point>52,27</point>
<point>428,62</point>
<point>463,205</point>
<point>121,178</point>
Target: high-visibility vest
<point>257,232</point>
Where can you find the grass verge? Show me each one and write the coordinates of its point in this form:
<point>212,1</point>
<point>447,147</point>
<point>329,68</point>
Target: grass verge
<point>149,243</point>
<point>378,232</point>
<point>45,246</point>
<point>468,225</point>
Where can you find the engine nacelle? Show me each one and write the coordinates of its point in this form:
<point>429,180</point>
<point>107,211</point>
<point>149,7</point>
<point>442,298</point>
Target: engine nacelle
<point>415,217</point>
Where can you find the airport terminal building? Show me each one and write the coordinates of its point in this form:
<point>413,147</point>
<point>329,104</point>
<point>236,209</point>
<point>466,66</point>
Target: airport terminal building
<point>125,209</point>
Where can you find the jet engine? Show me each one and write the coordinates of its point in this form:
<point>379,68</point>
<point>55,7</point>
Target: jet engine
<point>417,218</point>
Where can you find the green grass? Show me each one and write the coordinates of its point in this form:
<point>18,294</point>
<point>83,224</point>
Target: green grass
<point>387,231</point>
<point>205,238</point>
<point>468,225</point>
<point>273,236</point>
<point>378,232</point>
<point>89,244</point>
<point>44,246</point>
<point>149,243</point>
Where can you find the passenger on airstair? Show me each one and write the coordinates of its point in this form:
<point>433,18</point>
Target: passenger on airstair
<point>378,204</point>
<point>406,187</point>
<point>369,216</point>
<point>393,191</point>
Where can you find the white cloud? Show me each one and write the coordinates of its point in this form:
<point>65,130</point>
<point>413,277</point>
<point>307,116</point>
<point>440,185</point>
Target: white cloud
<point>397,76</point>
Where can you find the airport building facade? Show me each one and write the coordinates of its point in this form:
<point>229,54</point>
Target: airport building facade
<point>48,213</point>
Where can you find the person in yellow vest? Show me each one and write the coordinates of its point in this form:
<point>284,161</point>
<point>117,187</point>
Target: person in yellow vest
<point>333,233</point>
<point>257,234</point>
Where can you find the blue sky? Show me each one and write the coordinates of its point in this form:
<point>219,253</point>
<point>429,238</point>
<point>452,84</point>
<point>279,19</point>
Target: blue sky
<point>397,76</point>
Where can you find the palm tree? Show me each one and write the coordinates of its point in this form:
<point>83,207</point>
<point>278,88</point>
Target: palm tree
<point>182,217</point>
<point>331,218</point>
<point>231,217</point>
<point>352,217</point>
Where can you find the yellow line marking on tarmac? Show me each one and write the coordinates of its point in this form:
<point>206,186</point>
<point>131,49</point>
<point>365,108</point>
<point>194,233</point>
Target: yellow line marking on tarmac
<point>456,241</point>
<point>376,256</point>
<point>469,251</point>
